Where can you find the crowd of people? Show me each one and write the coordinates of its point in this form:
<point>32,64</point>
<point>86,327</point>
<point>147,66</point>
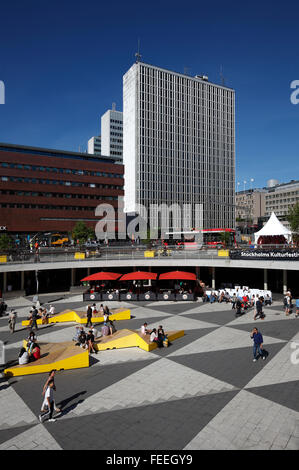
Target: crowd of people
<point>86,339</point>
<point>240,302</point>
<point>37,313</point>
<point>246,297</point>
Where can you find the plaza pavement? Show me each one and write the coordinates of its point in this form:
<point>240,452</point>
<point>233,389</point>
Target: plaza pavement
<point>203,392</point>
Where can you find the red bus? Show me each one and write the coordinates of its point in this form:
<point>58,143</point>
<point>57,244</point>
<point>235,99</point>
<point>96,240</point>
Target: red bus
<point>210,237</point>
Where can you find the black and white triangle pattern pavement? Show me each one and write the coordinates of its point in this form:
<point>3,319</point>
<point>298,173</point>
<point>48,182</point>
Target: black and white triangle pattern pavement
<point>202,392</point>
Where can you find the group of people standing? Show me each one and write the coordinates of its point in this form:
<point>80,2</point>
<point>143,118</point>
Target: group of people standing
<point>255,302</point>
<point>40,313</point>
<point>288,304</point>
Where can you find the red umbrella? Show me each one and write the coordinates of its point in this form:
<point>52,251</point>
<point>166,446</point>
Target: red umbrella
<point>138,276</point>
<point>102,276</point>
<point>178,275</point>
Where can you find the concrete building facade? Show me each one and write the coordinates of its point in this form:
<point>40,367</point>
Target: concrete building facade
<point>112,133</point>
<point>179,144</point>
<point>94,145</point>
<point>280,198</point>
<point>44,190</point>
<point>250,205</point>
<point>110,142</point>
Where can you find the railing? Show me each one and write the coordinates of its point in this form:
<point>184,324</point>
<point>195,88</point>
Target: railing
<point>71,255</point>
<point>127,253</point>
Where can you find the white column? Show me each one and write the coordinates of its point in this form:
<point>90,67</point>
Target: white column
<point>285,281</point>
<point>73,272</point>
<point>22,280</point>
<point>213,278</point>
<point>265,279</point>
<point>4,283</point>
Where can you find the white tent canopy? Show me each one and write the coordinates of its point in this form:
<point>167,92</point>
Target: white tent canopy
<point>272,228</point>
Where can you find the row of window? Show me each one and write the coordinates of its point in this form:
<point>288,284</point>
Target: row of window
<point>67,171</point>
<point>45,153</point>
<point>117,121</point>
<point>60,195</point>
<point>167,78</point>
<point>280,195</point>
<point>113,152</point>
<point>63,183</point>
<point>118,134</point>
<point>45,206</point>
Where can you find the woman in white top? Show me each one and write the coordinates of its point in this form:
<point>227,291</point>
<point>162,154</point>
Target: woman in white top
<point>153,336</point>
<point>23,356</point>
<point>143,329</point>
<point>51,310</point>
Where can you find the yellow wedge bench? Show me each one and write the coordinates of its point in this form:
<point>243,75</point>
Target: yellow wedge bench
<point>58,356</point>
<point>80,317</point>
<point>131,338</point>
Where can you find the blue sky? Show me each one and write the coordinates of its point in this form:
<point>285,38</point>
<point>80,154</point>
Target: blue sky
<point>62,64</point>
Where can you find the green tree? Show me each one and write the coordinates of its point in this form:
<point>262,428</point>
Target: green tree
<point>226,238</point>
<point>5,242</point>
<point>293,219</point>
<point>82,232</point>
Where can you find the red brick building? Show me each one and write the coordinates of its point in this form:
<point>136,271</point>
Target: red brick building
<point>43,190</point>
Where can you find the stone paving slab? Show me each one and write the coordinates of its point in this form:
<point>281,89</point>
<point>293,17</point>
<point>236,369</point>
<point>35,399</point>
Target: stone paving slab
<point>248,422</point>
<point>203,392</point>
<point>220,339</point>
<point>158,382</point>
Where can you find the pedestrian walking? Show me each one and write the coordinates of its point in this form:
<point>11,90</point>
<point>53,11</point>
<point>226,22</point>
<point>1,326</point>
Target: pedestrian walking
<point>259,309</point>
<point>234,301</point>
<point>89,315</point>
<point>288,303</point>
<point>48,403</point>
<point>3,308</point>
<point>257,344</point>
<point>34,316</point>
<point>12,320</point>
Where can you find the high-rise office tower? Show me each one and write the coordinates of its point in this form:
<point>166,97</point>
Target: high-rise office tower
<point>179,143</point>
<point>110,142</point>
<point>94,145</point>
<point>112,133</point>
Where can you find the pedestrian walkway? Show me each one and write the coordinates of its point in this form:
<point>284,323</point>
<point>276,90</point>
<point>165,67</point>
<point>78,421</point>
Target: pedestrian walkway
<point>203,392</point>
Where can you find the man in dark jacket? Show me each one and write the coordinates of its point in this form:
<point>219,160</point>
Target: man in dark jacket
<point>89,315</point>
<point>257,344</point>
<point>259,309</point>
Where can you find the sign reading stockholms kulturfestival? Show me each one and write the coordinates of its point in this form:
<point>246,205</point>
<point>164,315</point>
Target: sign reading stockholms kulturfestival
<point>265,255</point>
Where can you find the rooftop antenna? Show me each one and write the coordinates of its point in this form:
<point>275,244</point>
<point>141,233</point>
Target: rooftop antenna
<point>113,106</point>
<point>222,80</point>
<point>186,70</point>
<point>137,54</point>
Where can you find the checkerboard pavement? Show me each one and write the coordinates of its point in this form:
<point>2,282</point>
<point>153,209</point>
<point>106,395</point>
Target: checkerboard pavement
<point>202,392</point>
